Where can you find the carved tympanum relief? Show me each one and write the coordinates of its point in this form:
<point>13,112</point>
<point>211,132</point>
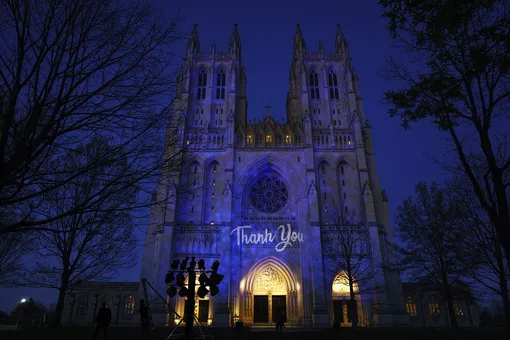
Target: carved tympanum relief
<point>269,279</point>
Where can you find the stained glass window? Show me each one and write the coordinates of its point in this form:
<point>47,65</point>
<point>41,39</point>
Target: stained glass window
<point>268,194</point>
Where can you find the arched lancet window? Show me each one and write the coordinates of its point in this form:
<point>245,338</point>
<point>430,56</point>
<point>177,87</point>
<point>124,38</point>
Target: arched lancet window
<point>83,306</point>
<point>129,306</point>
<point>457,307</point>
<point>202,84</point>
<point>314,85</point>
<point>410,306</point>
<point>220,85</point>
<point>342,306</point>
<point>333,85</point>
<point>434,308</point>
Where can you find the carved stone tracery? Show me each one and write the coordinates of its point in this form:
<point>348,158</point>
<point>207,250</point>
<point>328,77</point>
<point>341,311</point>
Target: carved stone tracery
<point>269,279</point>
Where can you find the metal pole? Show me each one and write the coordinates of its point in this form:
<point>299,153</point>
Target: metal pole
<point>146,294</point>
<point>190,304</point>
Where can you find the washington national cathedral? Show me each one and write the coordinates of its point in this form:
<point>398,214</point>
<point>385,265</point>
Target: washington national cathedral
<point>259,197</point>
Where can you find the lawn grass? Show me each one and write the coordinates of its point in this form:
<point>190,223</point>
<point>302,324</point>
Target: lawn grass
<point>133,333</point>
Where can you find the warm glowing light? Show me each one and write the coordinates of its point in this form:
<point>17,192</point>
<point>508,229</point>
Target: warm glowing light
<point>212,222</point>
<point>243,282</point>
<point>340,288</point>
<point>23,300</point>
<point>209,322</point>
<point>176,321</point>
<point>341,285</point>
<point>298,286</point>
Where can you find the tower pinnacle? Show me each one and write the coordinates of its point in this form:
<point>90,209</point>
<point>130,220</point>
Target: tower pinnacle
<point>234,45</point>
<point>299,42</point>
<point>340,43</point>
<point>193,41</point>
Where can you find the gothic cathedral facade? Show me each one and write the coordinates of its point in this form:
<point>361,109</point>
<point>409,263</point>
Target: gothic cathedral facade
<point>260,193</point>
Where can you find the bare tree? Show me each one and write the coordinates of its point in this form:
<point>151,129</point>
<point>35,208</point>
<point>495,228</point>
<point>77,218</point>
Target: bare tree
<point>461,84</point>
<point>91,244</point>
<point>13,247</point>
<point>71,70</point>
<point>431,250</point>
<point>480,237</point>
<point>347,248</point>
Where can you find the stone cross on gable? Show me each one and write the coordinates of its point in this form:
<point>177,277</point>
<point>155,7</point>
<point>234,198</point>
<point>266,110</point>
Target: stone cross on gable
<point>268,108</point>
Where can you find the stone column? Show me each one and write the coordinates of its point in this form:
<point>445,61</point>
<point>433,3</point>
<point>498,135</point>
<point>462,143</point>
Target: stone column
<point>221,301</point>
<point>158,307</point>
<point>250,305</point>
<point>290,305</point>
<point>382,313</point>
<point>118,304</point>
<point>320,313</point>
<point>270,306</point>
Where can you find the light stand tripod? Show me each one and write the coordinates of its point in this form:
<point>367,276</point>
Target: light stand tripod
<point>203,330</point>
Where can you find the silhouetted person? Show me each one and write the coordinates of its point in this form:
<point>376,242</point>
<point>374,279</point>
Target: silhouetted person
<point>280,320</point>
<point>103,318</point>
<point>144,319</point>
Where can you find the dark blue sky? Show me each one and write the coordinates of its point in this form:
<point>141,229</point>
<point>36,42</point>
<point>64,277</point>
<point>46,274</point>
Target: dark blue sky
<point>267,29</point>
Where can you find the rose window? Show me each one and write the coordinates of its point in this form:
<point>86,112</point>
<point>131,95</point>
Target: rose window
<point>268,194</point>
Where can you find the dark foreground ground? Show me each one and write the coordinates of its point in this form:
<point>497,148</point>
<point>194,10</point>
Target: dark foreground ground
<point>86,333</point>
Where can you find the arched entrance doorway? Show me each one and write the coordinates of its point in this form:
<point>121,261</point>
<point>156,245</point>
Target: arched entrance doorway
<point>342,303</point>
<point>269,286</point>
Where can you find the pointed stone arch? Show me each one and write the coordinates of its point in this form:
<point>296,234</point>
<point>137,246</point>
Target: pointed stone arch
<point>269,273</point>
<point>279,166</point>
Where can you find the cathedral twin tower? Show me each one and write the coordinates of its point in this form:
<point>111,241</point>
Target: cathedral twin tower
<point>258,197</point>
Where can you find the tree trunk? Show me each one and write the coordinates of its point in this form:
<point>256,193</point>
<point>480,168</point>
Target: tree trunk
<point>60,301</point>
<point>353,307</point>
<point>504,236</point>
<point>451,309</point>
<point>503,284</point>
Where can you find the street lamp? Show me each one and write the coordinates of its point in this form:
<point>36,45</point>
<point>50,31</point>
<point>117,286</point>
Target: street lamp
<point>208,284</point>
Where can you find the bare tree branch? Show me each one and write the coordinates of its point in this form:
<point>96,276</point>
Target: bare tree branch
<point>461,85</point>
<point>72,71</point>
<point>431,249</point>
<point>88,245</point>
<point>347,249</point>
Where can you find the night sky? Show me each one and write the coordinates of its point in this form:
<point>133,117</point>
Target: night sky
<point>267,29</point>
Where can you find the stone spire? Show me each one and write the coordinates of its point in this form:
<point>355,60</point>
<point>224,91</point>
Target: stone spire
<point>234,45</point>
<point>193,42</point>
<point>340,42</point>
<point>299,43</point>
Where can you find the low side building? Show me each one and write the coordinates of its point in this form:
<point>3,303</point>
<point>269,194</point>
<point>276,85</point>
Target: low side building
<point>123,298</point>
<point>422,304</point>
<point>427,309</point>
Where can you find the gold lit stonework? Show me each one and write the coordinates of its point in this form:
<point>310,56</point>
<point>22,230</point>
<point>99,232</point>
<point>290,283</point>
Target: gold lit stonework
<point>269,279</point>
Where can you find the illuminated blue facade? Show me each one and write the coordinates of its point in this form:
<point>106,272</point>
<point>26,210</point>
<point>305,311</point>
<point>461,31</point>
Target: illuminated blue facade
<point>256,196</point>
